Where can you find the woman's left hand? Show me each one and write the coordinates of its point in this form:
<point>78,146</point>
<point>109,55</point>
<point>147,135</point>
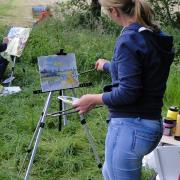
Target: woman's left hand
<point>87,102</point>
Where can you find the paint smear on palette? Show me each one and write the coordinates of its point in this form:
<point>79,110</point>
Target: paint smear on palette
<point>58,72</point>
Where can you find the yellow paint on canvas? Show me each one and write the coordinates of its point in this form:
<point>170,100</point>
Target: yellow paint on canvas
<point>58,64</point>
<point>70,79</point>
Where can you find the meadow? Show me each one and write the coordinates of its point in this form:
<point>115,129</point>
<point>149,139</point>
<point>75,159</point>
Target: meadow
<point>64,155</point>
<point>19,12</point>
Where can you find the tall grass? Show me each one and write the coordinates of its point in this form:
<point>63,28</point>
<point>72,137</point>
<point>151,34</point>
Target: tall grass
<point>172,95</point>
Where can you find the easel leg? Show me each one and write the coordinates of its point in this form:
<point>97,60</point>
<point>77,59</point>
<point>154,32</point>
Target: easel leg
<point>89,136</point>
<point>30,145</point>
<point>12,73</point>
<point>29,149</point>
<point>41,126</point>
<point>60,109</point>
<point>90,139</point>
<point>64,108</point>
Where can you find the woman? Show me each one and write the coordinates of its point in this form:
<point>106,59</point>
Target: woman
<point>139,70</point>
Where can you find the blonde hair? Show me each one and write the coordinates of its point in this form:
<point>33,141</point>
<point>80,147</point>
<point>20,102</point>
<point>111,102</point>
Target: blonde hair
<point>140,9</point>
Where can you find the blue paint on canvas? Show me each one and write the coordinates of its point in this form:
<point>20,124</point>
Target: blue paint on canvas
<point>58,72</point>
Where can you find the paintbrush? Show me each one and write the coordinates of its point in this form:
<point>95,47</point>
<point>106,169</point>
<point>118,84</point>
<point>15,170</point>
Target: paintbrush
<point>90,70</point>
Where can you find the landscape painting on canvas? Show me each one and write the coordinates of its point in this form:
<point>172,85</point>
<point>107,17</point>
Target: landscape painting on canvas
<point>58,72</point>
<point>18,37</point>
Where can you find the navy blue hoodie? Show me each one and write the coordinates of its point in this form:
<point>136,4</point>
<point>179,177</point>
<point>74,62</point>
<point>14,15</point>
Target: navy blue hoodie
<point>139,70</point>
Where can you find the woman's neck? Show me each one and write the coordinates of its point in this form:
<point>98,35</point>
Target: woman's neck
<point>126,21</point>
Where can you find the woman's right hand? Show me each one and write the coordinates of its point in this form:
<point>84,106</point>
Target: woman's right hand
<point>100,63</point>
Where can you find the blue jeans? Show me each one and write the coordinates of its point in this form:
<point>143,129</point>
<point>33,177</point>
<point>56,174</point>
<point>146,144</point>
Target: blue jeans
<point>127,141</point>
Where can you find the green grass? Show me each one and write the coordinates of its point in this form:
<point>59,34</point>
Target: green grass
<point>66,154</point>
<point>172,91</point>
<point>5,7</point>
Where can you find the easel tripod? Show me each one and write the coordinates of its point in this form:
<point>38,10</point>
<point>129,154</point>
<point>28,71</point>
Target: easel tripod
<point>62,114</point>
<point>39,129</point>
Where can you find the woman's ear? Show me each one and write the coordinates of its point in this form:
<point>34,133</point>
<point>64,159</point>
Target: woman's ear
<point>117,11</point>
<point>114,11</point>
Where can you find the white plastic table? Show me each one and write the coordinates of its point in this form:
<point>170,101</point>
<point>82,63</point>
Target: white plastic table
<point>170,141</point>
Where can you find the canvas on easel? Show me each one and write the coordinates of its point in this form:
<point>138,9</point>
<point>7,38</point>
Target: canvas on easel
<point>58,72</point>
<point>18,37</point>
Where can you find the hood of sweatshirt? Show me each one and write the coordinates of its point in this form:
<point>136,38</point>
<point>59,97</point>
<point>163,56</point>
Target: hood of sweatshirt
<point>162,41</point>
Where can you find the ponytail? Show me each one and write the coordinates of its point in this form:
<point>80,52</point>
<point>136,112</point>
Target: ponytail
<point>144,15</point>
<point>142,11</point>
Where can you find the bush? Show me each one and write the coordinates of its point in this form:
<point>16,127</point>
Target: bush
<point>79,14</point>
<point>175,32</point>
<point>166,11</point>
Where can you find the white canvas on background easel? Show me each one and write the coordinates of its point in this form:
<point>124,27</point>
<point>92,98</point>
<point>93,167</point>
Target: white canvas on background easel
<point>18,37</point>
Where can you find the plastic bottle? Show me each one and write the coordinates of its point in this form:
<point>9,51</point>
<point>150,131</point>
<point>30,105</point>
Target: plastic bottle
<point>177,132</point>
<point>172,113</point>
<point>168,126</point>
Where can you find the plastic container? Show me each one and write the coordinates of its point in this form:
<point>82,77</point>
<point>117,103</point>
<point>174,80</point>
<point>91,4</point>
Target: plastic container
<point>172,113</point>
<point>168,126</point>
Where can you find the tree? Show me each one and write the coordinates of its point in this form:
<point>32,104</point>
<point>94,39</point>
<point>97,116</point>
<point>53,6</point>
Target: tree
<point>166,11</point>
<point>95,8</point>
